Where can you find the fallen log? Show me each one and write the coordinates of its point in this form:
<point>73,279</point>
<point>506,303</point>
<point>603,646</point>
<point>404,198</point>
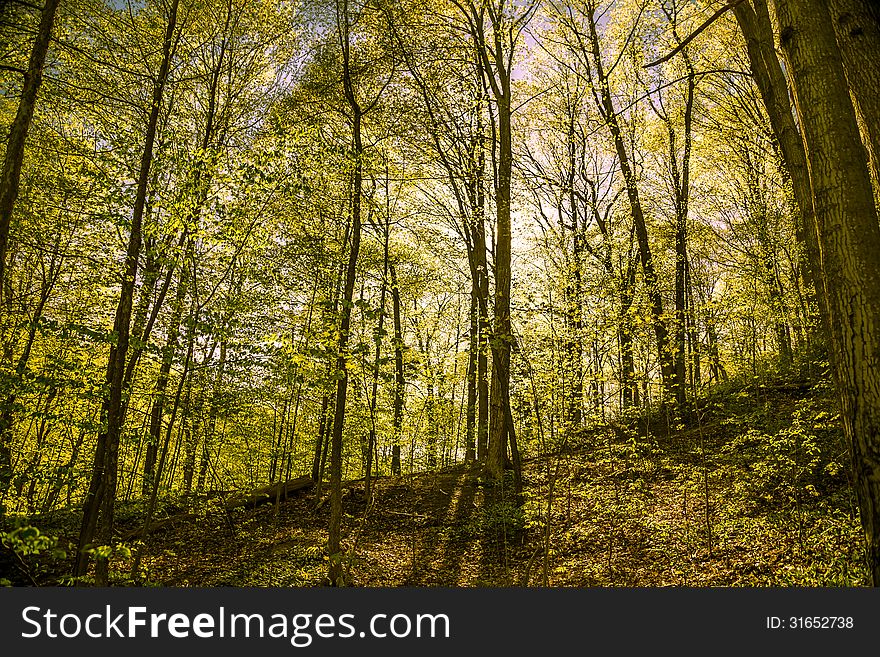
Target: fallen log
<point>280,491</point>
<point>158,525</point>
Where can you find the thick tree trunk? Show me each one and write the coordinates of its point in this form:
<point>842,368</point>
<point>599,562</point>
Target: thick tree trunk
<point>494,66</point>
<point>857,31</point>
<point>848,231</point>
<point>770,80</point>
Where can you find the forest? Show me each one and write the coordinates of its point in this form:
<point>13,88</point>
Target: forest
<point>468,293</point>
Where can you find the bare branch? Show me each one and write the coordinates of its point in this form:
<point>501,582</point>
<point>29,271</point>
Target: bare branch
<point>730,5</point>
<point>14,69</point>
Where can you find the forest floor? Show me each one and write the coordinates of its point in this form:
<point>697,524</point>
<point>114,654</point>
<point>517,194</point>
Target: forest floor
<point>628,508</point>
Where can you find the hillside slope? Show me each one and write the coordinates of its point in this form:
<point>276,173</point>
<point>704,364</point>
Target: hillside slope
<point>628,508</point>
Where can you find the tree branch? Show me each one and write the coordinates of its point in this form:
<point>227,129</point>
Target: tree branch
<point>730,5</point>
<point>14,69</point>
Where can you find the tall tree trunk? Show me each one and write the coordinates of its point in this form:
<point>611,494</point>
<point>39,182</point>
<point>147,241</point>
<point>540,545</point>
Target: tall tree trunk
<point>157,410</point>
<point>605,103</point>
<point>857,31</point>
<point>480,328</point>
<point>573,292</point>
<point>335,573</point>
<point>470,449</point>
<point>18,131</point>
<point>399,382</point>
<point>849,233</point>
<point>770,80</point>
<point>502,337</point>
<point>482,266</point>
<point>681,179</point>
<point>377,356</point>
<point>97,523</point>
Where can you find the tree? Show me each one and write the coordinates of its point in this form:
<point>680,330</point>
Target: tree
<point>497,27</point>
<point>849,233</point>
<point>857,32</point>
<point>355,115</point>
<point>9,185</point>
<point>582,38</point>
<point>15,147</point>
<point>98,510</point>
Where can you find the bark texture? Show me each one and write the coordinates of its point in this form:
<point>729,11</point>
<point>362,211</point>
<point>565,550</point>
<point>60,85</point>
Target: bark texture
<point>849,236</point>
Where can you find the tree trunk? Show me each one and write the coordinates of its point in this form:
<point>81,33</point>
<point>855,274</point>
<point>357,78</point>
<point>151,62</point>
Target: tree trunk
<point>573,292</point>
<point>18,131</point>
<point>399,382</point>
<point>335,573</point>
<point>770,80</point>
<point>857,30</point>
<point>502,337</point>
<point>470,450</point>
<point>681,183</point>
<point>98,509</point>
<point>848,231</point>
<point>377,356</point>
<point>668,370</point>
